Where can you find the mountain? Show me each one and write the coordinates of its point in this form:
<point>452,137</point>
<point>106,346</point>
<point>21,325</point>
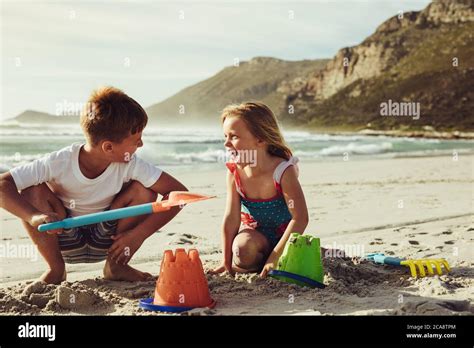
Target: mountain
<point>409,59</point>
<point>426,57</point>
<point>257,79</point>
<point>31,116</point>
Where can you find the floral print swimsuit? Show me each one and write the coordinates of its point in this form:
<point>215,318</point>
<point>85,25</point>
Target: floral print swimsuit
<point>267,216</point>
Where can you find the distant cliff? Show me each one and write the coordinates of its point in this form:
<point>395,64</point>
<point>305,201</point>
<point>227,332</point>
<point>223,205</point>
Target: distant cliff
<point>425,57</point>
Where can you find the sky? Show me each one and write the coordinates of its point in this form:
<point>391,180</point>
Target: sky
<point>53,54</point>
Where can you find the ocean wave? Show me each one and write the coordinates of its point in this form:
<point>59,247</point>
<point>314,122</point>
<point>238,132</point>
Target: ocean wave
<point>357,149</point>
<point>40,133</point>
<point>207,156</point>
<point>167,139</point>
<point>17,157</point>
<point>164,135</point>
<point>9,161</point>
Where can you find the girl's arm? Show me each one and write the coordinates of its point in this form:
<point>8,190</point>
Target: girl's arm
<point>296,203</point>
<point>230,225</point>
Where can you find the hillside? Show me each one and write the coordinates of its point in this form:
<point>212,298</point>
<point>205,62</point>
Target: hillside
<point>257,79</point>
<point>405,60</point>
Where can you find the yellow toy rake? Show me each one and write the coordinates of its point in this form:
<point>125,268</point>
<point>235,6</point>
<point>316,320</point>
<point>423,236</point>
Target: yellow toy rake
<point>414,265</point>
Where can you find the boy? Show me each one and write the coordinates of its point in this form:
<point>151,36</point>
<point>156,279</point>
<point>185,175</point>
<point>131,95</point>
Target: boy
<point>85,178</point>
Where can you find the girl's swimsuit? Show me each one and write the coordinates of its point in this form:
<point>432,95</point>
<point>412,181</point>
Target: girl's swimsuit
<point>267,216</point>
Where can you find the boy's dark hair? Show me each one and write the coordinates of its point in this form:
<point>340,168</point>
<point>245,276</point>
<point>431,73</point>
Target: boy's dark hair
<point>112,115</point>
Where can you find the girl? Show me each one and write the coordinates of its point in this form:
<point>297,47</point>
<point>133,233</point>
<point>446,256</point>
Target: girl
<point>263,191</point>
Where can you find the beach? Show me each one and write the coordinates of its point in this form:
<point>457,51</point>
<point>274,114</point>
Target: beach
<point>414,207</point>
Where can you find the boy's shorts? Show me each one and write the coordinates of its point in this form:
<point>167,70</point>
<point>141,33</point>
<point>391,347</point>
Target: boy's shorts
<point>87,244</point>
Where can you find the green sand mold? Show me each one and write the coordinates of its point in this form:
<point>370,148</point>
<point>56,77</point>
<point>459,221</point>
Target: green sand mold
<point>301,256</point>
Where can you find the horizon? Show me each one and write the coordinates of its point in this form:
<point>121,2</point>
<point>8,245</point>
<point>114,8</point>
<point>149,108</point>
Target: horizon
<point>45,65</point>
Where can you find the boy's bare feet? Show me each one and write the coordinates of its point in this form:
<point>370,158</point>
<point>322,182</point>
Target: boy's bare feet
<point>54,276</point>
<point>114,271</point>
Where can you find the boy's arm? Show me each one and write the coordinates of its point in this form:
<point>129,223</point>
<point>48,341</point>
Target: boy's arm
<point>14,203</point>
<point>164,185</point>
<point>296,203</point>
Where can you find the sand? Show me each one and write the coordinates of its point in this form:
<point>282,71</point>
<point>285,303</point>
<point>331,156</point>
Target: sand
<point>406,207</point>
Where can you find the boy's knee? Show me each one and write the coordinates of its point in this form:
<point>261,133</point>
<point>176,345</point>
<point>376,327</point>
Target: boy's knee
<point>43,199</point>
<point>37,193</point>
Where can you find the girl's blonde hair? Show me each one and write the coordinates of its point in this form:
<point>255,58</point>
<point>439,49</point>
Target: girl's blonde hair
<point>262,123</point>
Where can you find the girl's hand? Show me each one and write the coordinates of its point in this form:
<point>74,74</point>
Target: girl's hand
<point>270,264</point>
<point>223,268</point>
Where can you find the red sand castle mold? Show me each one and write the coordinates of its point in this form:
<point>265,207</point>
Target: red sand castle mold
<point>181,285</point>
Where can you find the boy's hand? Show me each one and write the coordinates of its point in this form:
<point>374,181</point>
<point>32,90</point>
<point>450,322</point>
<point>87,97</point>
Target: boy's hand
<point>223,268</point>
<point>124,247</point>
<point>45,218</point>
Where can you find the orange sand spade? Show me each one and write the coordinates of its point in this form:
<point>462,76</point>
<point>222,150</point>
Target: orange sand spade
<point>181,285</point>
<point>176,198</point>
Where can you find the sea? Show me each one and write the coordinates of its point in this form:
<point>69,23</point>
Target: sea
<point>189,149</point>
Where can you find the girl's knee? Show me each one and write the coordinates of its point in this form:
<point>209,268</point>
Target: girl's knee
<point>247,255</point>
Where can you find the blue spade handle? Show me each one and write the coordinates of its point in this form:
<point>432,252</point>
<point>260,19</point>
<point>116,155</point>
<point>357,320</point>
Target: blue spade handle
<point>102,216</point>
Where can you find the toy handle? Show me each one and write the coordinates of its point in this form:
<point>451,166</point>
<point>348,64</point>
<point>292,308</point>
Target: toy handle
<point>384,260</point>
<point>102,216</point>
<point>394,261</point>
<point>310,282</point>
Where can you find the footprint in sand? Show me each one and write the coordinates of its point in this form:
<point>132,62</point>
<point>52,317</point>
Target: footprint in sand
<point>184,241</point>
<point>440,247</point>
<point>413,242</point>
<point>447,232</point>
<point>394,244</point>
<point>449,242</point>
<point>470,229</point>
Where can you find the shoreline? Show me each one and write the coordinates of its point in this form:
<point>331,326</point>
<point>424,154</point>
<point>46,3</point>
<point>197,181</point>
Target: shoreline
<point>416,134</point>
